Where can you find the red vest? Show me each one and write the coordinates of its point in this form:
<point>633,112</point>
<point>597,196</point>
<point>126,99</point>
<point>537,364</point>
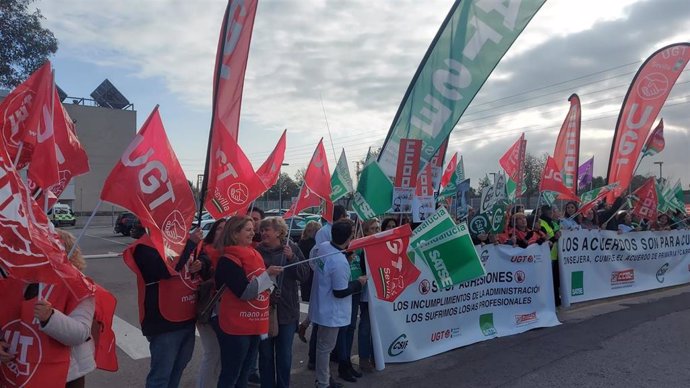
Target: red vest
<point>40,360</point>
<point>240,317</point>
<point>176,295</point>
<point>102,330</point>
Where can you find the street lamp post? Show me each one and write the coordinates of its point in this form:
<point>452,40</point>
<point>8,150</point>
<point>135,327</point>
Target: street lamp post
<point>661,175</point>
<point>280,190</point>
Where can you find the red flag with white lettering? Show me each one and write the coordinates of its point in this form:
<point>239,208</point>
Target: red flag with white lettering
<point>269,172</point>
<point>231,64</point>
<point>29,248</point>
<point>15,111</point>
<point>71,156</point>
<point>424,182</point>
<point>513,162</point>
<point>567,150</point>
<point>388,266</point>
<point>408,163</point>
<point>643,102</point>
<point>316,186</point>
<point>647,201</point>
<point>148,181</point>
<point>551,180</point>
<point>40,137</point>
<point>449,170</point>
<point>232,182</point>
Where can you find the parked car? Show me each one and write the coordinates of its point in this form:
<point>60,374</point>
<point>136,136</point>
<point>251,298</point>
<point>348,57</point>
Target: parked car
<point>124,222</point>
<point>205,226</point>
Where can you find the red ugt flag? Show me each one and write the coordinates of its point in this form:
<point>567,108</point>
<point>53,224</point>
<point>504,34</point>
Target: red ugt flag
<point>232,182</point>
<point>655,143</point>
<point>148,181</point>
<point>269,172</point>
<point>29,248</point>
<point>71,157</point>
<point>449,170</point>
<point>231,64</point>
<point>40,136</point>
<point>567,150</point>
<point>551,180</point>
<point>388,266</point>
<point>647,201</point>
<point>316,186</point>
<point>15,111</point>
<point>513,162</point>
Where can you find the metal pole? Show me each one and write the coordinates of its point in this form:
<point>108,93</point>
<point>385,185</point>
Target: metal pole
<point>83,230</point>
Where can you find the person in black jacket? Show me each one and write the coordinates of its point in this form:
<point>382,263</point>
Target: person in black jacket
<point>170,332</point>
<point>306,243</point>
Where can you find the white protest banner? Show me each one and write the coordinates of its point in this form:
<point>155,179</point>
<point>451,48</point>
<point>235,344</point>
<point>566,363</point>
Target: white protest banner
<point>516,295</point>
<point>598,264</point>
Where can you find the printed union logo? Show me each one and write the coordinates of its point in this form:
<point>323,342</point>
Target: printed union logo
<point>398,345</point>
<point>577,283</point>
<point>445,334</point>
<point>484,256</point>
<point>652,86</point>
<point>174,227</point>
<point>424,287</point>
<point>486,324</point>
<point>519,276</point>
<point>661,272</point>
<point>525,319</point>
<point>263,297</point>
<point>622,278</point>
<point>238,193</point>
<point>25,343</point>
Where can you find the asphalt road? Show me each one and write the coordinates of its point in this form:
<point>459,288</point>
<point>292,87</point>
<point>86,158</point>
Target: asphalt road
<point>638,341</point>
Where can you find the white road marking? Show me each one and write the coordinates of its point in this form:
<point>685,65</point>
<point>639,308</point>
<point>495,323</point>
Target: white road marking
<point>129,338</point>
<point>103,255</point>
<point>304,308</point>
<point>109,240</point>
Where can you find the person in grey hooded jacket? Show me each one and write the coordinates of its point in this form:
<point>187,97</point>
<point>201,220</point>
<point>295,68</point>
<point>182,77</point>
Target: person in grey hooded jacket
<point>275,354</point>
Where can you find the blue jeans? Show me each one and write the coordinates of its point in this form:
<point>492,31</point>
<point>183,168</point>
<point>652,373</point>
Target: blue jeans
<point>170,353</point>
<point>364,334</point>
<point>346,335</point>
<point>275,357</point>
<point>234,357</point>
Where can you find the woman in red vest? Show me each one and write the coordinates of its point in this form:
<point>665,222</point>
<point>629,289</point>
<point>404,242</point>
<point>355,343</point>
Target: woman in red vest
<point>46,332</point>
<point>243,308</point>
<point>209,368</point>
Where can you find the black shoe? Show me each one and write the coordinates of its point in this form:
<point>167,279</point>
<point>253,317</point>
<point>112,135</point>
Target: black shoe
<point>354,372</point>
<point>331,384</point>
<point>345,373</point>
<point>254,379</point>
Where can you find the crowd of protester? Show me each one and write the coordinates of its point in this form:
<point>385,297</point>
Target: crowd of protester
<point>247,278</point>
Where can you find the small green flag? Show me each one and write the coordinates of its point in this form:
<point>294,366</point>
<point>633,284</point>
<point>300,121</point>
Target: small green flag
<point>450,256</point>
<point>341,182</point>
<point>452,243</point>
<point>549,197</point>
<point>374,192</point>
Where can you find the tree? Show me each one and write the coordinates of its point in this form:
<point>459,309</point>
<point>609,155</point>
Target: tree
<point>24,44</point>
<point>359,164</point>
<point>288,189</point>
<point>534,167</point>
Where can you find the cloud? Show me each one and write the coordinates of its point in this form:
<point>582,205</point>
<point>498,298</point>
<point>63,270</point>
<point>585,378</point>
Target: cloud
<point>358,57</point>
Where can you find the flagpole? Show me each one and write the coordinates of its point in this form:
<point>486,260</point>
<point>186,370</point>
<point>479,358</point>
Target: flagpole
<point>625,204</point>
<point>52,121</point>
<point>335,157</point>
<point>536,209</point>
<point>19,152</point>
<point>83,230</point>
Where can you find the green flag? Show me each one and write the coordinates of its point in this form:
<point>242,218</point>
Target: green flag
<point>450,255</point>
<point>511,187</point>
<point>436,224</point>
<point>341,182</point>
<point>374,192</point>
<point>549,197</point>
<point>471,41</point>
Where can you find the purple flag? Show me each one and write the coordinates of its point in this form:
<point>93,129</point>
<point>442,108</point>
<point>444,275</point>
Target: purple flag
<point>584,174</point>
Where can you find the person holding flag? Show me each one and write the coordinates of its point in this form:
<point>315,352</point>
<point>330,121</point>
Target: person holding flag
<point>167,304</point>
<point>571,218</point>
<point>330,302</point>
<point>551,228</point>
<point>243,310</point>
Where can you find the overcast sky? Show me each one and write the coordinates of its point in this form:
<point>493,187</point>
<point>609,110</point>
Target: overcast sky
<point>358,57</point>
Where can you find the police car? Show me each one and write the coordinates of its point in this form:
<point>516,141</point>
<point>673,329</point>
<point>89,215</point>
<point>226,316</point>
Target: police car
<point>61,214</point>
